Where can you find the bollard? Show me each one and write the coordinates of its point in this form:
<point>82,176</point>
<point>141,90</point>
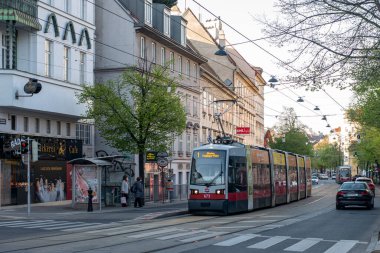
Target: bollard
<point>89,208</point>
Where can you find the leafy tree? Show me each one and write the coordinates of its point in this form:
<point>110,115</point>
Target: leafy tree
<point>368,149</point>
<point>326,36</point>
<point>292,136</point>
<point>328,156</point>
<point>140,112</point>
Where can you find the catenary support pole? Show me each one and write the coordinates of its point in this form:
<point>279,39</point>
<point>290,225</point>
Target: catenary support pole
<point>28,154</point>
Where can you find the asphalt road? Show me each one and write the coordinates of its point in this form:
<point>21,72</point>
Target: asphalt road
<point>311,225</point>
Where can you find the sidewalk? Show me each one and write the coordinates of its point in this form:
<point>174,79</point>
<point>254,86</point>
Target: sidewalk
<point>63,210</point>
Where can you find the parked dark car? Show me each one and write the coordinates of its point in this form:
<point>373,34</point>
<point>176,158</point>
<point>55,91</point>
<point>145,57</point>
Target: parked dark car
<point>354,194</point>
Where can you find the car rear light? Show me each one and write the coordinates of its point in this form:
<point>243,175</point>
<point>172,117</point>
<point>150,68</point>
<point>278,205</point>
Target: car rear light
<point>372,186</point>
<point>194,191</point>
<point>219,191</point>
<point>364,193</point>
<point>340,194</point>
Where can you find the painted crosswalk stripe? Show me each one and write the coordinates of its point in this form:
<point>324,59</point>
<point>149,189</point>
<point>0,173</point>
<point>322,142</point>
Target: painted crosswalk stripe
<point>90,225</point>
<point>201,237</point>
<point>342,246</point>
<point>70,226</point>
<point>304,244</point>
<point>58,223</point>
<point>28,224</point>
<point>157,232</point>
<point>236,240</point>
<point>269,242</point>
<point>179,235</point>
<point>4,224</point>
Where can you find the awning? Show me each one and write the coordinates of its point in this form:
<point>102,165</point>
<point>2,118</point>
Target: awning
<point>89,161</point>
<point>20,17</point>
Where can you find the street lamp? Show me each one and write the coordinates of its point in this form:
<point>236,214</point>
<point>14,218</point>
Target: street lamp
<point>300,100</point>
<point>273,81</point>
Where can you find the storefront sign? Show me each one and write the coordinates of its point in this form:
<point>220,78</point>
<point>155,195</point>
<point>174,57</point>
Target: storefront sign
<point>48,148</point>
<point>243,130</point>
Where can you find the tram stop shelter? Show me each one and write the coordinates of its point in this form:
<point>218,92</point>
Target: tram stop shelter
<point>103,175</point>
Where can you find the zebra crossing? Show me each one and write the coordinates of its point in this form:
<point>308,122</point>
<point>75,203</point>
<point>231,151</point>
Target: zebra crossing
<point>51,225</point>
<point>261,242</point>
<point>216,238</point>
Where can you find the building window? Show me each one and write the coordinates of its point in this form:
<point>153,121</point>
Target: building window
<point>48,127</point>
<point>83,132</point>
<point>66,63</point>
<point>180,143</point>
<point>195,69</point>
<point>180,176</point>
<point>37,126</point>
<point>195,106</point>
<point>204,135</point>
<point>183,33</point>
<point>154,53</point>
<point>148,11</point>
<point>68,129</point>
<point>66,5</point>
<point>171,61</point>
<point>13,122</point>
<point>58,127</point>
<point>188,68</point>
<point>82,62</point>
<point>196,140</point>
<point>48,58</point>
<point>26,124</point>
<point>180,65</point>
<point>163,58</point>
<point>188,143</point>
<point>3,48</point>
<point>166,22</point>
<point>83,9</point>
<point>142,47</point>
<point>188,104</point>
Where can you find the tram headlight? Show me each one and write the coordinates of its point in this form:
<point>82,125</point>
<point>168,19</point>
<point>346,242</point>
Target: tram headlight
<point>219,191</point>
<point>194,191</point>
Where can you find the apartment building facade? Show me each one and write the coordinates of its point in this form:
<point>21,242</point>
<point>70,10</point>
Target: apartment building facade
<point>49,43</point>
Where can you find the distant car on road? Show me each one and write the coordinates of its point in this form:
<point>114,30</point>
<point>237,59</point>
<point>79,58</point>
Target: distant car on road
<point>333,176</point>
<point>368,181</point>
<point>314,180</point>
<point>323,177</point>
<point>354,194</point>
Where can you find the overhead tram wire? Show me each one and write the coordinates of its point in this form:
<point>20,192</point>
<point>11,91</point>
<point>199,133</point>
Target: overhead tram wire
<point>260,47</point>
<point>197,86</point>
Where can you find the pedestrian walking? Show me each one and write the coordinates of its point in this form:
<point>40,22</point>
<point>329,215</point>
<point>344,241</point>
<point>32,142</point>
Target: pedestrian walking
<point>138,191</point>
<point>124,191</point>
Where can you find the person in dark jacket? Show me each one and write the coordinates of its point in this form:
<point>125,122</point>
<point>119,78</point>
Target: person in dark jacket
<point>138,190</point>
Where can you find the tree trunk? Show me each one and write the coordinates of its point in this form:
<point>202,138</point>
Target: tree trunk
<point>141,166</point>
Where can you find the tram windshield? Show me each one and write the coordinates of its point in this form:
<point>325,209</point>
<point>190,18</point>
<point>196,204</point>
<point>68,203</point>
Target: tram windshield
<point>208,167</point>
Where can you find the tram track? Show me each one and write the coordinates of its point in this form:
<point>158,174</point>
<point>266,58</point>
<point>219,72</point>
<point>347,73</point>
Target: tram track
<point>156,225</point>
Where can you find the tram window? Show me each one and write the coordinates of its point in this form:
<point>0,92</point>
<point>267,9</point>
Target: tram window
<point>237,174</point>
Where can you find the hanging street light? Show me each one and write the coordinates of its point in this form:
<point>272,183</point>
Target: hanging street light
<point>324,117</point>
<point>316,108</point>
<point>300,100</point>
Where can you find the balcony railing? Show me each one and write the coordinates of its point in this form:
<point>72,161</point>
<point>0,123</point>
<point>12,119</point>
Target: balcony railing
<point>24,12</point>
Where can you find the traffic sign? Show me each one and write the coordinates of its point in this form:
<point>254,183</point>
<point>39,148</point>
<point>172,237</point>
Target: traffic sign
<point>162,162</point>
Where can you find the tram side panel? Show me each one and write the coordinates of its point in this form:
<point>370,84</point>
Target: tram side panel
<point>302,176</point>
<point>293,177</point>
<point>262,193</point>
<point>280,185</point>
<point>308,176</point>
<point>237,182</point>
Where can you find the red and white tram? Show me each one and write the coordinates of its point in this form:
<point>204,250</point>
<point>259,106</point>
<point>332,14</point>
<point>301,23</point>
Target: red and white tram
<point>231,178</point>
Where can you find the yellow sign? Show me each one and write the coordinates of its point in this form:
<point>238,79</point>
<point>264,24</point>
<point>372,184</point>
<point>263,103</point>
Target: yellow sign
<point>278,158</point>
<point>210,155</point>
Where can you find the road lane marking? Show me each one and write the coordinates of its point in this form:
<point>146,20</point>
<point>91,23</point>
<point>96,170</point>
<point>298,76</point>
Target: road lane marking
<point>236,240</point>
<point>157,232</point>
<point>59,223</point>
<point>342,246</point>
<point>201,237</point>
<point>70,226</point>
<point>180,235</point>
<point>269,242</point>
<point>304,244</point>
<point>249,221</point>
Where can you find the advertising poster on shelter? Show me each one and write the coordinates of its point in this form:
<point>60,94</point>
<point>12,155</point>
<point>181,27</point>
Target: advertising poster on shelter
<point>86,177</point>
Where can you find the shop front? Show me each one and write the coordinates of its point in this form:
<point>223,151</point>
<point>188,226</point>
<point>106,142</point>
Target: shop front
<point>50,176</point>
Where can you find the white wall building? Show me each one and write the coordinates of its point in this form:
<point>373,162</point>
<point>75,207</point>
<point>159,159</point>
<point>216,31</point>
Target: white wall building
<point>51,41</point>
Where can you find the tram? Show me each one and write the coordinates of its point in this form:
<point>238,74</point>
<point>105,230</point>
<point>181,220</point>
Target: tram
<point>228,177</point>
<point>343,174</point>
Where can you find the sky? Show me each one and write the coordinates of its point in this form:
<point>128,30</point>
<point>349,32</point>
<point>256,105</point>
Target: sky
<point>240,15</point>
